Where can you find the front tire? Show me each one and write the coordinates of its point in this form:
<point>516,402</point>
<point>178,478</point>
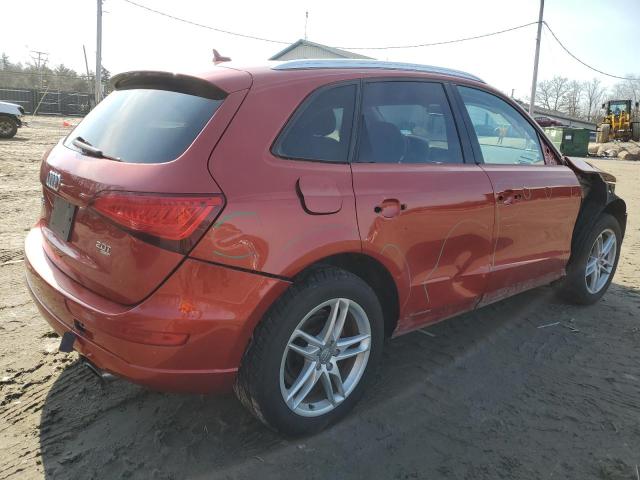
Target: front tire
<point>594,263</point>
<point>313,354</point>
<point>8,127</point>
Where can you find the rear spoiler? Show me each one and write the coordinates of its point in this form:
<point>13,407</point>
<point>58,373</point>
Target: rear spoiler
<point>173,82</point>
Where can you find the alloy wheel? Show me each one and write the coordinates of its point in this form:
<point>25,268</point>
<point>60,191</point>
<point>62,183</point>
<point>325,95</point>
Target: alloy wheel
<point>325,357</point>
<point>601,261</point>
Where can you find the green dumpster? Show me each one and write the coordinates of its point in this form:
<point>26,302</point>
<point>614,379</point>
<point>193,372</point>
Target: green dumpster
<point>573,142</point>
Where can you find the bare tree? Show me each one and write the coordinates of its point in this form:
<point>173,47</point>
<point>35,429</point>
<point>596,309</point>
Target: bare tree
<point>552,92</point>
<point>544,94</point>
<point>627,89</point>
<point>593,95</point>
<point>573,97</point>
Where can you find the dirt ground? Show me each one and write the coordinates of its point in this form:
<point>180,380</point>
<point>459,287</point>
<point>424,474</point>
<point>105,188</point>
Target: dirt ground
<point>487,395</point>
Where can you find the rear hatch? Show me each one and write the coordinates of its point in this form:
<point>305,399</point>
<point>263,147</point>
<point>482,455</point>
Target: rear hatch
<point>127,194</point>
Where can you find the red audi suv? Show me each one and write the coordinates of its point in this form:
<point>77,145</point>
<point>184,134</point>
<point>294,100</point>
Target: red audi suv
<point>266,229</point>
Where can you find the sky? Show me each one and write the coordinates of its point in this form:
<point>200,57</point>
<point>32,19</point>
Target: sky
<point>135,39</point>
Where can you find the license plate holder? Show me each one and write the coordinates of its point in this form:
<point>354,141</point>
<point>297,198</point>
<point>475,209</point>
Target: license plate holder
<point>62,215</point>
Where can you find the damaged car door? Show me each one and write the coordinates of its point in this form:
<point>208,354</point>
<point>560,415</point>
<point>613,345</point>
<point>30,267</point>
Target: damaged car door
<point>537,198</point>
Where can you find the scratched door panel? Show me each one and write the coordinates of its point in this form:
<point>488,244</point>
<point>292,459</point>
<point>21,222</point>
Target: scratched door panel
<point>439,246</point>
<point>533,232</point>
<point>537,200</point>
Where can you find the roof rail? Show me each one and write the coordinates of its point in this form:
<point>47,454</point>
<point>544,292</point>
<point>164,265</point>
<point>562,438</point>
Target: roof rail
<point>356,63</point>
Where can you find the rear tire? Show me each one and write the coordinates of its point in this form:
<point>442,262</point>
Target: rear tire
<point>281,363</point>
<point>8,127</point>
<point>594,263</point>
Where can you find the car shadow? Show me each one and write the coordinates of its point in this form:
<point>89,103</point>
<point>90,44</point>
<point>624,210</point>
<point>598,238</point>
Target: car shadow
<point>89,429</point>
<point>15,139</point>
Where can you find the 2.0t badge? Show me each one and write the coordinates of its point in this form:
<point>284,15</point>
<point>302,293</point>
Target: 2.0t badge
<point>103,248</point>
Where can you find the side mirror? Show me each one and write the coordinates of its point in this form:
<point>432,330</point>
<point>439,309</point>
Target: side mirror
<point>604,105</point>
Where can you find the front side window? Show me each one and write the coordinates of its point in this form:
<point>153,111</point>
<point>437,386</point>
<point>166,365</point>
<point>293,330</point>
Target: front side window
<point>407,122</point>
<point>321,129</point>
<point>505,137</point>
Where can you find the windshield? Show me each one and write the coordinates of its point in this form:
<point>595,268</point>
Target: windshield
<point>143,125</point>
<point>617,107</point>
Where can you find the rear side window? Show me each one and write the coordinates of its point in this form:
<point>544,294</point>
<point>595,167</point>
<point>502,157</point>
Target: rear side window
<point>321,128</point>
<point>407,122</point>
<point>145,125</point>
<point>505,137</point>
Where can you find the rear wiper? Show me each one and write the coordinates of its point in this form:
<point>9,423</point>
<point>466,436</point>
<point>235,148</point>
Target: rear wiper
<point>89,149</point>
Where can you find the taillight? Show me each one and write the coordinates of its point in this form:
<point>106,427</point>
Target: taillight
<point>175,222</point>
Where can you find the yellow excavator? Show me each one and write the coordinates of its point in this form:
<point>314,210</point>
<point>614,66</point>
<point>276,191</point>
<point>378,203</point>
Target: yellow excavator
<point>620,122</point>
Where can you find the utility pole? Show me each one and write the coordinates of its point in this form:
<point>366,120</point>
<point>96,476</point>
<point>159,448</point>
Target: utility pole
<point>534,81</point>
<point>98,85</point>
<point>86,66</point>
<point>41,61</point>
<point>306,20</point>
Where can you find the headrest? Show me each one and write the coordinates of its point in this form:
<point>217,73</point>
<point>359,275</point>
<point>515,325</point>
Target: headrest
<point>322,123</point>
<point>386,142</point>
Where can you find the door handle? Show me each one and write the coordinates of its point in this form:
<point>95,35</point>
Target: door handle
<point>390,207</point>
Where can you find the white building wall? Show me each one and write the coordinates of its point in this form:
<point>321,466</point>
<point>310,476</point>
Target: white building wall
<point>308,51</point>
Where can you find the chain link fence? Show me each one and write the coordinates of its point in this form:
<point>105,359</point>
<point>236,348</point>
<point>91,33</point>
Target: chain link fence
<point>47,102</point>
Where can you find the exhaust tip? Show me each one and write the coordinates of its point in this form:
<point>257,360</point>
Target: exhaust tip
<point>101,374</point>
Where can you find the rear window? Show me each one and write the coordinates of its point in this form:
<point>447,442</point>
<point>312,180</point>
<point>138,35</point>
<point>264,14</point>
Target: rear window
<point>145,125</point>
<point>321,128</point>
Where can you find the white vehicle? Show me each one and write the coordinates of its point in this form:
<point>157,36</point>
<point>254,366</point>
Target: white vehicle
<point>10,119</point>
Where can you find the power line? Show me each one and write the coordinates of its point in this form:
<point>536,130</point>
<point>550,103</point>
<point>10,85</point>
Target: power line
<point>208,27</point>
<point>387,47</point>
<point>41,59</point>
<point>263,39</point>
<point>580,61</point>
<point>444,42</point>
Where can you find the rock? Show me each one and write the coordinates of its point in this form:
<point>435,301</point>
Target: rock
<point>611,152</point>
<point>607,147</point>
<point>627,155</point>
<point>51,348</point>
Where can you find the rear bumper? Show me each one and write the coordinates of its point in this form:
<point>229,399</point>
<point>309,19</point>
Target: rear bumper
<point>188,335</point>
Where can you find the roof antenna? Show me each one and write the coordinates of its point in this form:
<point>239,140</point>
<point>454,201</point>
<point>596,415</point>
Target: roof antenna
<point>217,58</point>
<point>306,19</point>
